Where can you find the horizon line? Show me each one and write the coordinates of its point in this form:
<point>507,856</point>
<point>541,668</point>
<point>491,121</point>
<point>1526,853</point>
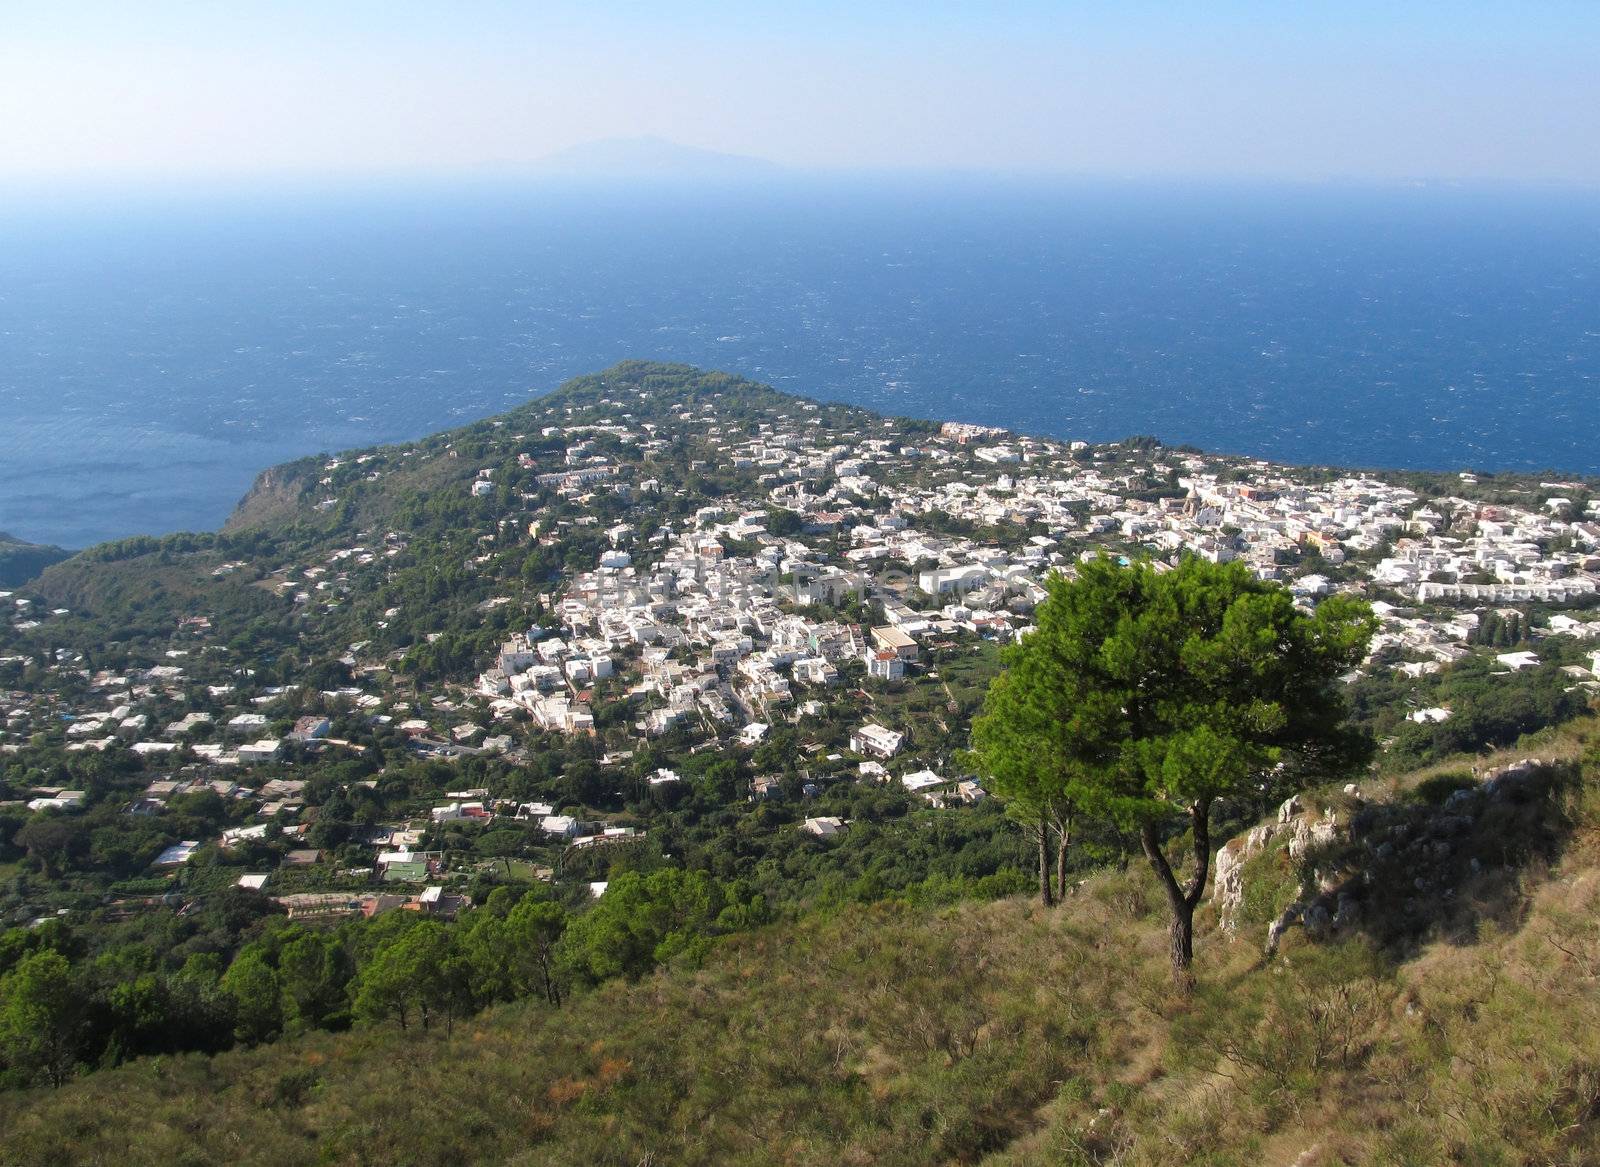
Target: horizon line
<point>765,173</point>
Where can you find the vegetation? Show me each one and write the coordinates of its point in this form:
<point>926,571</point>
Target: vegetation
<point>1001,1033</point>
<point>1488,706</point>
<point>746,990</point>
<point>1143,694</point>
<point>20,560</point>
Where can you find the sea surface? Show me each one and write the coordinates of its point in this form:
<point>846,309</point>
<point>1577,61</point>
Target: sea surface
<point>159,348</point>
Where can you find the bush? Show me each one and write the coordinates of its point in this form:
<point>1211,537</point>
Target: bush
<point>1434,791</point>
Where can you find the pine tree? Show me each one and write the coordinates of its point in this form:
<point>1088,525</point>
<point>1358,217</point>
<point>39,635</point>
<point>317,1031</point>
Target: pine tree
<point>1142,696</point>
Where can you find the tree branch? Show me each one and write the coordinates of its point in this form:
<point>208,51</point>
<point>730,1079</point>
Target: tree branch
<point>1200,817</point>
<point>1151,844</point>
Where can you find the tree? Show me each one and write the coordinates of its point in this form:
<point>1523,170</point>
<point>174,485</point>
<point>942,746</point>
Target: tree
<point>420,971</point>
<point>532,931</point>
<point>641,921</point>
<point>41,1010</point>
<point>257,996</point>
<point>382,987</point>
<point>1017,746</point>
<point>141,1017</point>
<point>334,822</point>
<point>54,842</point>
<point>584,783</point>
<point>783,522</point>
<point>1156,695</point>
<point>312,972</point>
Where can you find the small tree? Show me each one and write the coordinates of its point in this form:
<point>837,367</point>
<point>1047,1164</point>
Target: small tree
<point>54,842</point>
<point>641,921</point>
<point>418,973</point>
<point>533,930</point>
<point>383,986</point>
<point>41,1012</point>
<point>312,972</point>
<point>1152,695</point>
<point>257,995</point>
<point>1018,747</point>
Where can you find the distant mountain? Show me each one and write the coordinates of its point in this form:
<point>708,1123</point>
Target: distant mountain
<point>650,157</point>
<point>20,561</point>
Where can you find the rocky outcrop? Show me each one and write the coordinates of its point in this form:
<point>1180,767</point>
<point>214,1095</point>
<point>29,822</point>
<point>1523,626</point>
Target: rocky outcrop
<point>275,494</point>
<point>1228,890</point>
<point>1305,833</point>
<point>1405,854</point>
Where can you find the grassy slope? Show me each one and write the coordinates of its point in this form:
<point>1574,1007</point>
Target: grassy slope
<point>994,1033</point>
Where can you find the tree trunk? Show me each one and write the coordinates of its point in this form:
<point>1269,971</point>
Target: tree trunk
<point>58,1063</point>
<point>1063,844</point>
<point>1182,899</point>
<point>552,993</point>
<point>1181,940</point>
<point>1045,895</point>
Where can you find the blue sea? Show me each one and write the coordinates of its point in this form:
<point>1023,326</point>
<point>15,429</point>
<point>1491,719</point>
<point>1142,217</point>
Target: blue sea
<point>159,348</point>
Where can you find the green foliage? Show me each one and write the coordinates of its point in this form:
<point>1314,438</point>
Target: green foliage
<point>784,523</point>
<point>54,842</point>
<point>887,1033</point>
<point>313,972</point>
<point>420,973</point>
<point>1271,884</point>
<point>41,1011</point>
<point>1142,693</point>
<point>1146,691</point>
<point>257,996</point>
<point>644,920</point>
<point>20,561</point>
<point>533,932</point>
<point>1184,687</point>
<point>1489,709</point>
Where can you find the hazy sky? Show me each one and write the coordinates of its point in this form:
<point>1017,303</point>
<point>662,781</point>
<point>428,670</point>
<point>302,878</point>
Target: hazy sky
<point>1288,88</point>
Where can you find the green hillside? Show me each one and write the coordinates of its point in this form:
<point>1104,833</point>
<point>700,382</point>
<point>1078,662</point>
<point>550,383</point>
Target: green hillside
<point>1456,1024</point>
<point>20,560</point>
<point>138,588</point>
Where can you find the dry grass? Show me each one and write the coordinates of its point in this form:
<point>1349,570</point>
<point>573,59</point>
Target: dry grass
<point>1567,742</point>
<point>996,1033</point>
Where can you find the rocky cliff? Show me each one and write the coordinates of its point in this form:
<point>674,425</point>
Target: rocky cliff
<point>1340,865</point>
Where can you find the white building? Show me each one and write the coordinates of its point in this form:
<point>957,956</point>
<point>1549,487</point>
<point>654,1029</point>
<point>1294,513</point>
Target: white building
<point>876,740</point>
<point>884,665</point>
<point>264,750</point>
<point>953,579</point>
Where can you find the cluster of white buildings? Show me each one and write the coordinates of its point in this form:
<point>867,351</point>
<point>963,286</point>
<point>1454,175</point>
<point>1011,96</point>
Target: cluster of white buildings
<point>711,621</point>
<point>1455,550</point>
<point>754,608</point>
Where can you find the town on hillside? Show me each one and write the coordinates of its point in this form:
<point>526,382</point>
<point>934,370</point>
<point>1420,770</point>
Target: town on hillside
<point>670,619</point>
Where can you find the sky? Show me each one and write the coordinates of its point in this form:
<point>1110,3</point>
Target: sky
<point>1283,89</point>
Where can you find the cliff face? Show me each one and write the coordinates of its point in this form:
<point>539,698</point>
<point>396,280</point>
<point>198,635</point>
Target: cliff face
<point>275,494</point>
